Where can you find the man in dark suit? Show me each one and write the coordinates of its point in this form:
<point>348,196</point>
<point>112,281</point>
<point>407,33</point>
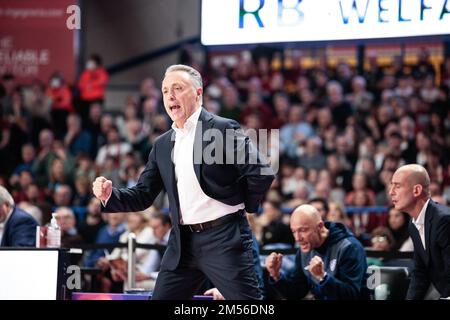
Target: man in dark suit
<point>19,227</point>
<point>429,230</point>
<point>212,174</point>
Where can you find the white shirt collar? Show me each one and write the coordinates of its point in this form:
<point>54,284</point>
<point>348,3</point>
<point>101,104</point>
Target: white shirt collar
<point>421,218</point>
<point>3,224</point>
<point>165,239</point>
<point>191,122</point>
<point>8,215</point>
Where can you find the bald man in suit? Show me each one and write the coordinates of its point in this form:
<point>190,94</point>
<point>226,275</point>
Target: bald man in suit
<point>429,230</point>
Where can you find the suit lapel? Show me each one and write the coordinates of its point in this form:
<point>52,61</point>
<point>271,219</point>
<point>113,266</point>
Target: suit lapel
<point>418,246</point>
<point>429,214</point>
<point>171,173</point>
<point>205,122</point>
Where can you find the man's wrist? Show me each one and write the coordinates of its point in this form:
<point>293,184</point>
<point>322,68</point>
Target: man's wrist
<point>105,202</point>
<point>323,278</point>
<point>276,277</point>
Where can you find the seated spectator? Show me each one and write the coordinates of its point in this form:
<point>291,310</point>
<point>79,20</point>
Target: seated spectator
<point>295,132</point>
<point>69,233</point>
<point>360,98</point>
<point>28,156</point>
<point>109,170</point>
<point>19,228</point>
<point>114,148</point>
<point>85,168</point>
<point>35,196</point>
<point>364,221</point>
<point>281,105</point>
<point>360,183</point>
<point>331,262</point>
<point>33,210</point>
<point>62,196</point>
<point>93,222</point>
<point>76,140</point>
<point>109,233</point>
<point>382,240</point>
<point>270,228</point>
<point>57,175</point>
<point>45,157</point>
<point>341,176</point>
<point>313,157</point>
<point>321,206</point>
<point>231,105</point>
<point>337,214</point>
<point>340,109</point>
<point>82,191</point>
<point>255,105</point>
<point>161,225</point>
<point>137,224</point>
<point>25,179</point>
<point>398,225</point>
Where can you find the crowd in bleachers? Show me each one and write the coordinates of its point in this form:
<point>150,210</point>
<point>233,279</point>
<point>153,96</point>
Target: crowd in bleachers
<point>342,135</point>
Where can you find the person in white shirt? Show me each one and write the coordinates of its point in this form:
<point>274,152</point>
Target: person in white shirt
<point>161,225</point>
<point>212,174</point>
<point>114,148</point>
<point>137,224</point>
<point>429,230</point>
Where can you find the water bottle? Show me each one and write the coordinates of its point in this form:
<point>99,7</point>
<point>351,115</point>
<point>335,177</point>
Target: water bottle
<point>53,233</point>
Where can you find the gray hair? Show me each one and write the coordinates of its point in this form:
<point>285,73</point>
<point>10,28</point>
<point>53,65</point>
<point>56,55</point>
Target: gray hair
<point>193,73</point>
<point>5,196</point>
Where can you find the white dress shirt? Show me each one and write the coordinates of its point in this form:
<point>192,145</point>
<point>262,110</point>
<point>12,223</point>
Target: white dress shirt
<point>420,223</point>
<point>152,264</point>
<point>195,205</point>
<point>2,228</point>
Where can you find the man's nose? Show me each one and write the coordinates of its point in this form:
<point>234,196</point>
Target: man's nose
<point>391,191</point>
<point>171,95</point>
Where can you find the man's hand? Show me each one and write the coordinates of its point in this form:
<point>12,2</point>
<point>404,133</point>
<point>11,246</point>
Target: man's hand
<point>140,276</point>
<point>103,263</point>
<point>273,265</point>
<point>215,293</point>
<point>102,188</point>
<point>118,275</point>
<point>316,268</point>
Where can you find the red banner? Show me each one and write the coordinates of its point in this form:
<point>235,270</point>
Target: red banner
<point>35,40</point>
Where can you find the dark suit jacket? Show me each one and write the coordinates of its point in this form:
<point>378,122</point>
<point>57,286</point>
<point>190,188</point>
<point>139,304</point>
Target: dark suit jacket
<point>433,264</point>
<point>20,230</point>
<point>228,183</point>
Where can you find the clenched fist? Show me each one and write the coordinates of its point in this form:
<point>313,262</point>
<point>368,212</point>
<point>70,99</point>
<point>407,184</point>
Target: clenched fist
<point>102,188</point>
<point>316,268</point>
<point>273,265</point>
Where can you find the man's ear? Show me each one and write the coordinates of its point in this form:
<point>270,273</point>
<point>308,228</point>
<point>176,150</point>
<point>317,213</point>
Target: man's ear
<point>321,224</point>
<point>199,92</point>
<point>417,190</point>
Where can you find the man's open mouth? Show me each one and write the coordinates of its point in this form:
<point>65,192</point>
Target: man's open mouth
<point>175,107</point>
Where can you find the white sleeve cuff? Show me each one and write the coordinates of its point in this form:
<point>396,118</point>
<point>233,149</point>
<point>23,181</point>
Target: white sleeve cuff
<point>104,203</point>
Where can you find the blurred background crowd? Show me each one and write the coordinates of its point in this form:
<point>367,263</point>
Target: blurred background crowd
<point>342,134</point>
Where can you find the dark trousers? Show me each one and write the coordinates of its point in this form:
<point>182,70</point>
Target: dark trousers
<point>222,254</point>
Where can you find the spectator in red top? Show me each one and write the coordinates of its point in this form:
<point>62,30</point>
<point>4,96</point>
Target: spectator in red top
<point>60,100</point>
<point>92,85</point>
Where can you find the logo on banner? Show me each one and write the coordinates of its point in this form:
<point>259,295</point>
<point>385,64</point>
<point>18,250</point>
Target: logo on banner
<point>288,12</point>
